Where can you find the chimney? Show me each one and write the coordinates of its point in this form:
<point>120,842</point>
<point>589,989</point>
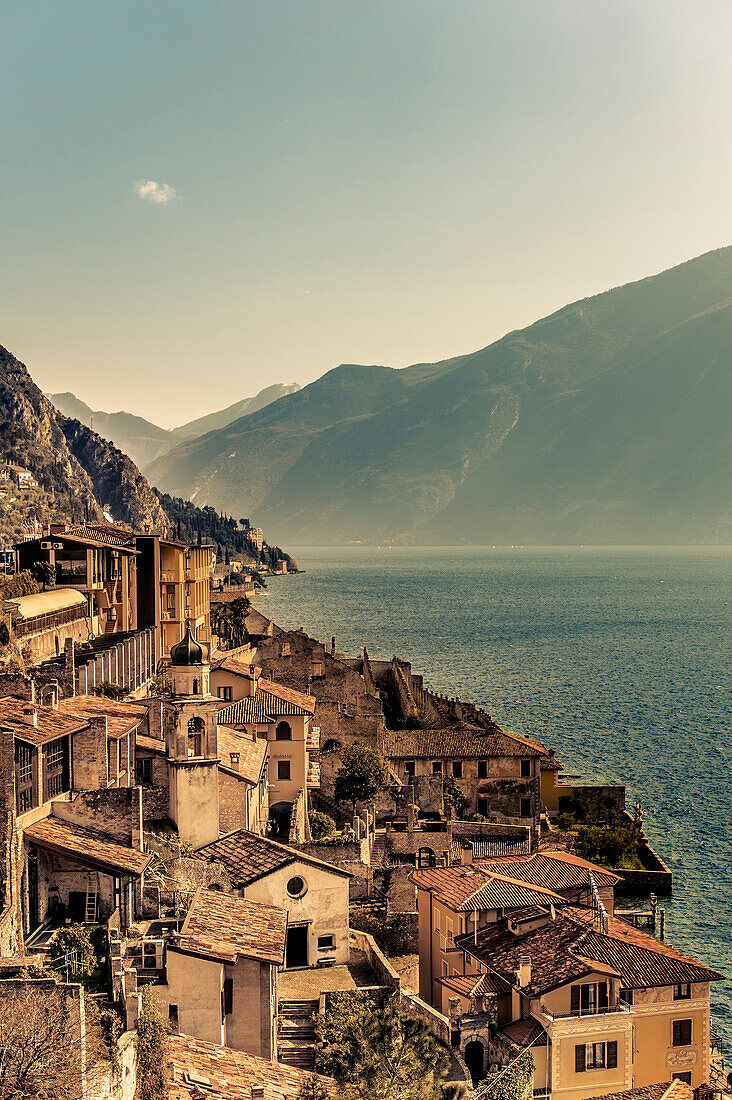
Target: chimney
<point>234,761</point>
<point>466,853</point>
<point>524,971</point>
<point>30,715</point>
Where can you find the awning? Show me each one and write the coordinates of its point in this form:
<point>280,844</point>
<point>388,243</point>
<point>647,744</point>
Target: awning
<point>45,603</point>
<point>86,847</point>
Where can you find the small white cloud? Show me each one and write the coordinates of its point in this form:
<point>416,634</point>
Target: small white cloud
<point>151,191</point>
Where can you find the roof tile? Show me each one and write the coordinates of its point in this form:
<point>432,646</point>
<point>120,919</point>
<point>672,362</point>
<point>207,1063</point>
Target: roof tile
<point>223,927</point>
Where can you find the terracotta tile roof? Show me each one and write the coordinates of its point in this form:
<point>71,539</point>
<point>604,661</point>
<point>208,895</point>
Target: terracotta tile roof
<point>665,1090</point>
<point>475,985</point>
<point>570,947</point>
<point>222,927</point>
<point>152,744</point>
<point>248,857</point>
<point>269,702</point>
<point>237,667</point>
<point>122,717</point>
<point>466,888</point>
<point>252,754</point>
<point>100,536</point>
<point>557,871</point>
<point>87,847</point>
<point>50,723</point>
<point>463,741</point>
<point>231,1074</point>
<point>523,1032</point>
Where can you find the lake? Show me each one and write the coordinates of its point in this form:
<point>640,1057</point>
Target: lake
<point>617,658</point>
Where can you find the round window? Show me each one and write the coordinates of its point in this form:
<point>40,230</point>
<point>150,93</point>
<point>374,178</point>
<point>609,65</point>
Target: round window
<point>296,887</point>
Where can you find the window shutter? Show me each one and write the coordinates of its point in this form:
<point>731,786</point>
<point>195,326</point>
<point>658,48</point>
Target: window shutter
<point>612,1055</point>
<point>579,1059</point>
<point>575,999</point>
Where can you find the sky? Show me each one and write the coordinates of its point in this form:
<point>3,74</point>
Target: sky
<point>199,198</point>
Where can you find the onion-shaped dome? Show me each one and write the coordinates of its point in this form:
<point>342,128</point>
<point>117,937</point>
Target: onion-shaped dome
<point>187,651</point>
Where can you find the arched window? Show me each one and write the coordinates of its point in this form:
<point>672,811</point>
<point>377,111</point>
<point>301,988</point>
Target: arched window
<point>196,727</point>
<point>283,732</point>
<point>195,687</point>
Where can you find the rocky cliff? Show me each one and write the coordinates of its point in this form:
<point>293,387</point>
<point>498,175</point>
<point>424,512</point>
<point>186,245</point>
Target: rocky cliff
<point>78,472</point>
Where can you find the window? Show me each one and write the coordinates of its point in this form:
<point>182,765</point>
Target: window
<point>682,1033</point>
<point>525,807</point>
<point>170,598</point>
<point>526,769</point>
<point>283,732</point>
<point>285,651</point>
<point>283,769</point>
<point>228,996</point>
<point>224,693</point>
<point>595,1056</point>
<point>682,992</point>
<point>685,1077</point>
<point>296,887</point>
<point>409,769</point>
<point>196,726</point>
<point>325,942</point>
<point>437,767</point>
<point>482,769</point>
<point>25,757</point>
<point>143,772</point>
<point>173,1018</point>
<point>588,998</point>
<point>195,687</point>
<point>56,767</point>
<point>483,807</point>
<point>457,769</point>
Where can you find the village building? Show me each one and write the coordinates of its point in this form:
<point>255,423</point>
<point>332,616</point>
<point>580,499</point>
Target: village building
<point>174,590</point>
<point>603,1006</point>
<point>497,773</point>
<point>72,823</point>
<point>314,894</point>
<point>98,562</point>
<point>220,973</point>
<point>282,717</point>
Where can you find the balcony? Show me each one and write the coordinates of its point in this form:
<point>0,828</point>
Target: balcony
<point>588,1013</point>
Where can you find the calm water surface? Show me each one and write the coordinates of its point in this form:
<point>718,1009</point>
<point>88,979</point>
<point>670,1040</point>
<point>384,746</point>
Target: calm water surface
<point>619,658</point>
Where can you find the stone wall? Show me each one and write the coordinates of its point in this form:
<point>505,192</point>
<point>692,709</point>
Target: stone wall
<point>116,812</point>
<point>232,803</point>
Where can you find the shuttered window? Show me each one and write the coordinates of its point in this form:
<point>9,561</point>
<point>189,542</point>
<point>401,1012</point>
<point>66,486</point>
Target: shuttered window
<point>682,1033</point>
<point>580,1059</point>
<point>595,1056</point>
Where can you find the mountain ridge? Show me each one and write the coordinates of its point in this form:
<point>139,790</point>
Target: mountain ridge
<point>507,443</point>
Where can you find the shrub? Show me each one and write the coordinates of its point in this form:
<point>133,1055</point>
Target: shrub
<point>152,1041</point>
<point>395,935</point>
<point>613,848</point>
<point>72,948</point>
<point>109,690</point>
<point>321,825</point>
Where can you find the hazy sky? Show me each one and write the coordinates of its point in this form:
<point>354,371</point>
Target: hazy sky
<point>201,197</point>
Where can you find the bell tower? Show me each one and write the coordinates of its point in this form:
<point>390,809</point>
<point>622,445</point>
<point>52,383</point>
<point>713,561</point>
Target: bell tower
<point>189,721</point>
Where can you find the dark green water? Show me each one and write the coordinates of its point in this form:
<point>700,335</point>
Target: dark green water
<point>619,658</point>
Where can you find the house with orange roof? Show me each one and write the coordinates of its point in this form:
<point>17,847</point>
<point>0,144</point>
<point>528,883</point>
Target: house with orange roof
<point>477,893</point>
<point>281,717</point>
<point>603,1007</point>
<point>220,972</point>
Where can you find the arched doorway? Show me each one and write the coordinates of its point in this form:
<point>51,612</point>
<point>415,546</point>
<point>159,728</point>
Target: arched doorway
<point>474,1060</point>
<point>279,821</point>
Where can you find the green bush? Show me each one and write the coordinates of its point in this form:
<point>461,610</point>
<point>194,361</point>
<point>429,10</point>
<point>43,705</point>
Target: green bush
<point>321,825</point>
<point>395,935</point>
<point>72,948</point>
<point>109,690</point>
<point>613,848</point>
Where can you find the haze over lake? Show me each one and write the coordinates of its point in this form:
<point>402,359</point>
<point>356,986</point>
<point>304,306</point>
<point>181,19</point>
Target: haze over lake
<point>618,657</point>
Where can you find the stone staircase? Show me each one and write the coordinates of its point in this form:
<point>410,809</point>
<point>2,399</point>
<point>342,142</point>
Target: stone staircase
<point>296,1034</point>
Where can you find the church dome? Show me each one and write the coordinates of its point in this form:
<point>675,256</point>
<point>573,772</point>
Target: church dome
<point>187,651</point>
